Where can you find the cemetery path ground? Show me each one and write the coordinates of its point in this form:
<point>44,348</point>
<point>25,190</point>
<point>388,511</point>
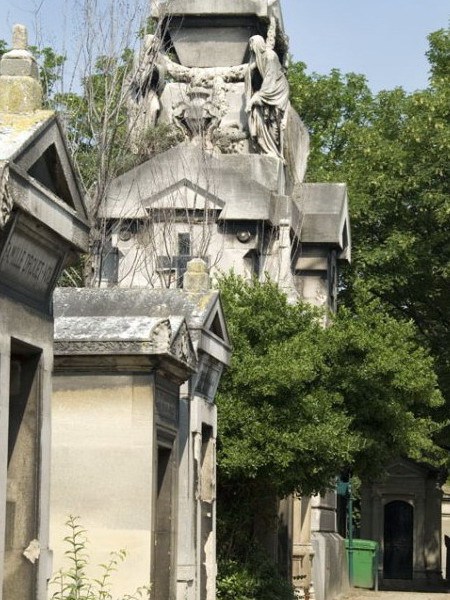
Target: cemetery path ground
<point>358,594</point>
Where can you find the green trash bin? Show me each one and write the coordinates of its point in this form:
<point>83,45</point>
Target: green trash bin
<point>364,556</point>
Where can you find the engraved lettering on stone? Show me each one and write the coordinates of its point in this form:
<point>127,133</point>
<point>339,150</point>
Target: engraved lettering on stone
<point>27,265</point>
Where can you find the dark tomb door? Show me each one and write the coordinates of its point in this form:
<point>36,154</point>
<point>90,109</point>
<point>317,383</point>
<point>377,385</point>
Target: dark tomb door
<point>162,580</point>
<point>398,540</point>
<point>23,472</point>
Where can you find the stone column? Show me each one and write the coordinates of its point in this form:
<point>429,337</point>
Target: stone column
<point>45,562</point>
<point>302,551</point>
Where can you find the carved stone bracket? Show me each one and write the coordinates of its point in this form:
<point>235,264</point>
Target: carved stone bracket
<point>6,200</point>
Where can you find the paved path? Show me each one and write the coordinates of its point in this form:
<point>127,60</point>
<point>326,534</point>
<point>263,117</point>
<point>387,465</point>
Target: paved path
<point>357,594</point>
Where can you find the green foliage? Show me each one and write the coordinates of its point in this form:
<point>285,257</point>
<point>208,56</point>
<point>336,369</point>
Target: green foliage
<point>96,121</point>
<point>301,402</point>
<point>75,584</point>
<point>50,70</point>
<point>3,47</point>
<point>273,391</point>
<point>256,580</point>
<point>392,149</point>
<point>388,384</point>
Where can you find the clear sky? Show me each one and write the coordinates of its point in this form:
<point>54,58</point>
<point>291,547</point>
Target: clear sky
<point>383,39</point>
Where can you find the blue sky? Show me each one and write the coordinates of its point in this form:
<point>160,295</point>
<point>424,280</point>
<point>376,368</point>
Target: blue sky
<point>384,39</point>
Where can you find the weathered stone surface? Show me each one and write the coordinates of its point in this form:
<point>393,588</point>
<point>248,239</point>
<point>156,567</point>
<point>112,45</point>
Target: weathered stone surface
<point>325,214</point>
<point>42,223</point>
<point>20,88</point>
<point>196,278</point>
<point>19,94</point>
<point>216,7</point>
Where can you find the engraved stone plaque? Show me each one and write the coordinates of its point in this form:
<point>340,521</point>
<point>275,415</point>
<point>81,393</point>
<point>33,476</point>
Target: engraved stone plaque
<point>29,265</point>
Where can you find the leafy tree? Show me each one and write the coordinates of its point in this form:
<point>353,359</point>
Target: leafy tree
<point>50,69</point>
<point>392,149</point>
<point>301,402</point>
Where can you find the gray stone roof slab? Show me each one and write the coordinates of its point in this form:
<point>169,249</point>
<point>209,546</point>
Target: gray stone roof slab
<point>325,216</point>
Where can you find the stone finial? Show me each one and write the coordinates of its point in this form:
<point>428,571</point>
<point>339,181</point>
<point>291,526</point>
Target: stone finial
<point>196,279</point>
<point>20,88</point>
<point>20,37</point>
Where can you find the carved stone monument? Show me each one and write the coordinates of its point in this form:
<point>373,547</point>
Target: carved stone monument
<point>230,191</point>
<point>43,228</point>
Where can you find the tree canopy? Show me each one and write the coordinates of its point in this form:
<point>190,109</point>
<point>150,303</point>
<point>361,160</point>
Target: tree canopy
<point>392,149</point>
<point>299,404</point>
<point>301,401</point>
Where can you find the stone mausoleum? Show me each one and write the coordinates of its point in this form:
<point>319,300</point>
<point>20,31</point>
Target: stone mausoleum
<point>134,425</point>
<point>230,191</point>
<point>43,228</point>
<point>402,512</point>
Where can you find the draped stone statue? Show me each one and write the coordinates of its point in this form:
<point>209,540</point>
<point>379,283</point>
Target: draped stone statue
<point>267,92</point>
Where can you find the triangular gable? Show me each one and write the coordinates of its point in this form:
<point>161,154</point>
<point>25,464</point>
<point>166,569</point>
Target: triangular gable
<point>46,159</point>
<point>215,339</point>
<point>185,195</point>
<point>403,468</point>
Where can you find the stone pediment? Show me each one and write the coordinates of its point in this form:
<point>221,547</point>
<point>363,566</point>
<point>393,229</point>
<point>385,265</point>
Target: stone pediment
<point>407,469</point>
<point>34,149</point>
<point>43,221</point>
<point>185,168</point>
<point>185,195</point>
<point>214,339</point>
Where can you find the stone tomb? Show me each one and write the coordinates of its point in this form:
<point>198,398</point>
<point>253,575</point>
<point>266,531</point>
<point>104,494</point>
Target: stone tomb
<point>43,227</point>
<point>402,512</point>
<point>141,449</point>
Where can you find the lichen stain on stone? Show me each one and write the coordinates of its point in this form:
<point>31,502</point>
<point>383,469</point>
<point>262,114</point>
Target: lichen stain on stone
<point>20,122</point>
<point>20,94</point>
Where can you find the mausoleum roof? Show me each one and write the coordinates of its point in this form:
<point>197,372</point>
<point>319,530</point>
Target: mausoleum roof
<point>133,310</point>
<point>324,215</point>
<point>231,190</point>
<point>260,8</point>
<point>18,129</point>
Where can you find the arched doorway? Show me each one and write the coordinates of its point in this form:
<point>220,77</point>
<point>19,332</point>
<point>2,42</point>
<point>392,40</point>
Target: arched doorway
<point>398,540</point>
